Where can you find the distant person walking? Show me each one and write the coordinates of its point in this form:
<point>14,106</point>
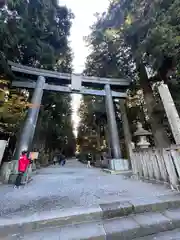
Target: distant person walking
<point>88,164</point>
<point>89,158</point>
<point>23,164</point>
<point>54,160</point>
<point>59,156</point>
<point>63,160</point>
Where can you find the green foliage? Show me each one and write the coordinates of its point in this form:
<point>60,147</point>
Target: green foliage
<point>134,38</point>
<point>109,57</point>
<point>35,33</point>
<point>55,124</point>
<point>92,117</point>
<point>153,31</point>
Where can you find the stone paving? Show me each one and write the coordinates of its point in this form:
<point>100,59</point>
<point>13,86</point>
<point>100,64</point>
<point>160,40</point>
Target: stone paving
<point>73,185</point>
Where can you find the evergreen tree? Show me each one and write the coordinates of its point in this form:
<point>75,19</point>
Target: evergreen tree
<point>35,33</point>
<point>146,35</point>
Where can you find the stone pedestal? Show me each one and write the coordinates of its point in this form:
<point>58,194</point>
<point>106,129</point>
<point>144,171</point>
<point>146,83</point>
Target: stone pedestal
<point>3,144</point>
<point>9,171</point>
<point>118,165</point>
<point>6,171</point>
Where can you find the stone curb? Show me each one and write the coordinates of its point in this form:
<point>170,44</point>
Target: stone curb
<point>141,225</point>
<point>128,228</point>
<point>167,235</point>
<point>139,205</point>
<point>127,173</point>
<point>49,219</point>
<point>102,212</point>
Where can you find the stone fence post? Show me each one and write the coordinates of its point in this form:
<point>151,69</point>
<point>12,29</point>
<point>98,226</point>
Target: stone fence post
<point>171,111</point>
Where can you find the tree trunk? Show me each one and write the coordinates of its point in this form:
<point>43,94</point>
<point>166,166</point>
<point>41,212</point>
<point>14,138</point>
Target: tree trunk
<point>126,129</point>
<point>108,141</point>
<point>160,136</point>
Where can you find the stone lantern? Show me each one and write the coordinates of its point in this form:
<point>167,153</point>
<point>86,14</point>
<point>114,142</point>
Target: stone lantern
<point>142,135</point>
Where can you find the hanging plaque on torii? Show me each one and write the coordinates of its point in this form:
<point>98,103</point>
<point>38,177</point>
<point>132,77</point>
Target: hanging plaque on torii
<point>76,83</point>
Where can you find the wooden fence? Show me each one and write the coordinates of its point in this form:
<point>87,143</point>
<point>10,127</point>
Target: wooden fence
<point>161,165</point>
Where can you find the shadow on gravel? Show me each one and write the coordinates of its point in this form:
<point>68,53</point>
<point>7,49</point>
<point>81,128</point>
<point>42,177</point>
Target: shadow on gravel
<point>43,204</point>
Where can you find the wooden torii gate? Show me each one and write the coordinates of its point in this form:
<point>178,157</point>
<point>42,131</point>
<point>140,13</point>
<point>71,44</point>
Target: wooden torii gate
<point>44,80</point>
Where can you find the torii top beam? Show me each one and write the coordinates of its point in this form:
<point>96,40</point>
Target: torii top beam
<point>57,81</point>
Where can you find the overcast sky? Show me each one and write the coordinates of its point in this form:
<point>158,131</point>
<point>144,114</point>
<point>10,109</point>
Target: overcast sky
<point>84,17</point>
<point>84,11</point>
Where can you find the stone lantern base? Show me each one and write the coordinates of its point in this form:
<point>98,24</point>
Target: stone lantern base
<point>118,165</point>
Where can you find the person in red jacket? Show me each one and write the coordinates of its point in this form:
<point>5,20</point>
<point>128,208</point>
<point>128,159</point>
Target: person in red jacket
<point>23,164</point>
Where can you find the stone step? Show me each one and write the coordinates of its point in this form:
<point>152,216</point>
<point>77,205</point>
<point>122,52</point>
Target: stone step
<point>146,226</point>
<point>168,235</point>
<point>107,215</point>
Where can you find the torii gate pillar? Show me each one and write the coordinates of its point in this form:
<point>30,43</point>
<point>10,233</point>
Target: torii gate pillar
<point>117,163</point>
<point>28,130</point>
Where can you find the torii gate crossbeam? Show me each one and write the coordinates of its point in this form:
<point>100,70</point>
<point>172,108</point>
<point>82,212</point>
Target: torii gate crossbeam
<point>65,89</point>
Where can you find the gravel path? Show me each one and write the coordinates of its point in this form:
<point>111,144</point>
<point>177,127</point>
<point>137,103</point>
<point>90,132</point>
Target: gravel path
<point>73,185</point>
